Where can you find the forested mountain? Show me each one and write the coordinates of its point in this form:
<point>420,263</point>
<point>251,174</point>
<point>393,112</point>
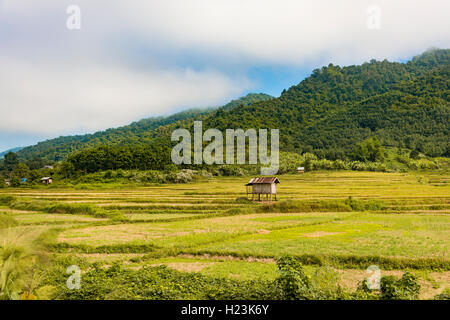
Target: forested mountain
<point>134,134</point>
<point>328,113</point>
<point>2,154</point>
<point>404,105</point>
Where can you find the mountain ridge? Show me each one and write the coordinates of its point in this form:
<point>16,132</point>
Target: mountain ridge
<point>404,104</point>
<point>2,154</point>
<point>59,148</point>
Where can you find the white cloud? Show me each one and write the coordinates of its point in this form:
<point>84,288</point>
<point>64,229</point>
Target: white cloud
<point>122,64</point>
<point>61,98</point>
<point>292,31</point>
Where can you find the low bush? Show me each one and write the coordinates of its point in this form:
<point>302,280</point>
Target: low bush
<point>365,205</point>
<point>157,283</point>
<point>293,280</point>
<point>154,283</point>
<point>405,288</point>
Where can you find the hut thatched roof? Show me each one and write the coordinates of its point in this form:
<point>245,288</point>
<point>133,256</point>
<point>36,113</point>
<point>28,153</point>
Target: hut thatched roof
<point>265,180</point>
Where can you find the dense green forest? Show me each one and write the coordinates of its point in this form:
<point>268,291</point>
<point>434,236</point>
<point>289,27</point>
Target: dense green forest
<point>333,114</point>
<point>405,105</point>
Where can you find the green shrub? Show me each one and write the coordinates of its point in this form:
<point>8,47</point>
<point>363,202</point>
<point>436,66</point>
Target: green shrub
<point>414,154</point>
<point>229,170</point>
<point>364,205</point>
<point>297,284</point>
<point>293,280</point>
<point>405,288</point>
<point>157,283</point>
<point>15,182</point>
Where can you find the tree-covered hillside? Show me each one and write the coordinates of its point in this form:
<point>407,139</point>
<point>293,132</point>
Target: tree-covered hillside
<point>403,104</point>
<point>2,154</point>
<point>134,134</point>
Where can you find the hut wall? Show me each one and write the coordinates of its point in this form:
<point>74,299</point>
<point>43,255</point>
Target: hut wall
<point>263,188</point>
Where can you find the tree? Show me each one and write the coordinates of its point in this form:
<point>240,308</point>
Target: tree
<point>35,163</point>
<point>10,161</point>
<point>15,182</point>
<point>66,169</point>
<point>414,154</point>
<point>21,171</point>
<point>35,175</point>
<point>368,150</point>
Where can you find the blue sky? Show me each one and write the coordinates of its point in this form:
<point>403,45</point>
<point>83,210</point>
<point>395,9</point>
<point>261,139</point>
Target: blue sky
<point>131,60</point>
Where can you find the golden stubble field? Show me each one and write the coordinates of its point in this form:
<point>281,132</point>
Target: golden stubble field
<point>204,226</point>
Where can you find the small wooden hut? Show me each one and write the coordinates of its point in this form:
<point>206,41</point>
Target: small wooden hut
<point>262,186</point>
<point>301,169</point>
<point>47,180</point>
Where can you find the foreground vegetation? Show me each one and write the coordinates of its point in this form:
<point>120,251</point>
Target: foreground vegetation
<point>205,240</point>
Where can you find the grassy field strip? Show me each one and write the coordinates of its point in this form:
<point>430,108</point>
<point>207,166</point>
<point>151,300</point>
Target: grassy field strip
<point>347,236</point>
<point>374,234</point>
<point>45,218</point>
<point>192,232</point>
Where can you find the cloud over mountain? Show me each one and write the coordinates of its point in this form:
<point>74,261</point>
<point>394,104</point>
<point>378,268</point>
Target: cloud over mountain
<point>135,59</point>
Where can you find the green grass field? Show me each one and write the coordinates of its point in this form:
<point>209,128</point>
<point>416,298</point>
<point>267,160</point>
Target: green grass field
<point>205,227</point>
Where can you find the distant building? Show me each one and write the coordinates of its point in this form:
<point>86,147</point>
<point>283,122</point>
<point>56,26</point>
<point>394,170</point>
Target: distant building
<point>8,182</point>
<point>262,186</point>
<point>47,167</point>
<point>47,180</point>
<point>301,169</point>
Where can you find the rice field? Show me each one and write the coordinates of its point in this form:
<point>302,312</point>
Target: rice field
<point>207,227</point>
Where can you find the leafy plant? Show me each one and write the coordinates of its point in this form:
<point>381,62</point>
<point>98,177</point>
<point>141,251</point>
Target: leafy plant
<point>405,288</point>
<point>293,280</point>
